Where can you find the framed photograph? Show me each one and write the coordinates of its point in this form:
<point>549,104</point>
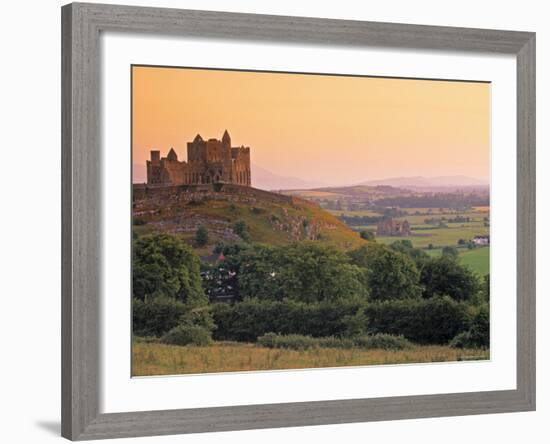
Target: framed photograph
<point>278,221</point>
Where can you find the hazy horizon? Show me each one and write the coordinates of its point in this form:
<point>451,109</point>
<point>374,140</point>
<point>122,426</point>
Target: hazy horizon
<point>139,176</point>
<point>316,128</point>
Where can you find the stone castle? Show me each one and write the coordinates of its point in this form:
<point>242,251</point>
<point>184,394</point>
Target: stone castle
<point>208,161</point>
<point>390,227</point>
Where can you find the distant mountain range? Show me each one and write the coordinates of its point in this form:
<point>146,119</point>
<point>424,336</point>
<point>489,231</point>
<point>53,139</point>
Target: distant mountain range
<point>420,182</point>
<point>266,180</point>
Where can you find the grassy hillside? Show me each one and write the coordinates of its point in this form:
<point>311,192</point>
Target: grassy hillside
<point>270,218</point>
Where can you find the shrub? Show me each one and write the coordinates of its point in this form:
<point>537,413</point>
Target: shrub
<point>241,229</point>
<point>304,342</point>
<point>405,246</point>
<point>335,342</point>
<point>433,321</point>
<point>383,341</point>
<point>486,288</point>
<point>367,235</point>
<point>291,342</point>
<point>247,320</point>
<point>201,236</point>
<point>451,252</point>
<point>436,320</point>
<point>462,340</point>
<point>478,335</point>
<point>188,334</point>
<point>356,324</point>
<point>155,316</point>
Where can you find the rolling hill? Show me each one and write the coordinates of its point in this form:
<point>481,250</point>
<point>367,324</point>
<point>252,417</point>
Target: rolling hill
<point>271,218</point>
<point>430,183</point>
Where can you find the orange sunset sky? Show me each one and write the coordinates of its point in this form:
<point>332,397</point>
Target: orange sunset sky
<point>331,130</point>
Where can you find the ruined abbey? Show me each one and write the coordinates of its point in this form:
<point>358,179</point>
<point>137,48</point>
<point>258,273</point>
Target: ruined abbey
<point>208,161</point>
<point>390,227</point>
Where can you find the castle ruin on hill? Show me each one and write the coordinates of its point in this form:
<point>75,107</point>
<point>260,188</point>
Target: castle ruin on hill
<point>208,161</point>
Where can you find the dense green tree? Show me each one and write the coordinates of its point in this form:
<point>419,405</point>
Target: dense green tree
<point>390,274</point>
<point>405,246</point>
<point>306,271</point>
<point>486,290</point>
<point>313,272</point>
<point>445,276</point>
<point>201,236</point>
<point>450,252</point>
<point>258,272</point>
<point>231,249</point>
<point>222,278</point>
<point>480,328</point>
<point>367,235</point>
<point>163,265</point>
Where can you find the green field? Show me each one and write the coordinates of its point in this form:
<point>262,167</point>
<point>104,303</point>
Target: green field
<point>353,213</point>
<point>158,359</point>
<point>440,237</point>
<point>477,259</point>
<point>432,238</point>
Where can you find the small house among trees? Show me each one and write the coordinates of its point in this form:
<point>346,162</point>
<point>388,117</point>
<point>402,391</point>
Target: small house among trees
<point>481,240</point>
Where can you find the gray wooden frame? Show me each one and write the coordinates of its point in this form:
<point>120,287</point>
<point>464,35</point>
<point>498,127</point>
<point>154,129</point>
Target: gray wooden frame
<point>81,26</point>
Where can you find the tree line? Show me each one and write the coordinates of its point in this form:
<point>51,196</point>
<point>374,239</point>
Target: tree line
<point>306,288</point>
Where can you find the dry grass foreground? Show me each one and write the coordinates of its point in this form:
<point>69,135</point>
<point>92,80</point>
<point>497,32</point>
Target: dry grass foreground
<point>149,359</point>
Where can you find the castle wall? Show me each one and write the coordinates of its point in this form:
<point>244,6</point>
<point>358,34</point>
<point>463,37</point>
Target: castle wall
<point>174,171</point>
<point>241,165</point>
<point>210,161</point>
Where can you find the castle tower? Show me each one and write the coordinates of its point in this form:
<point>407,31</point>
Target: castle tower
<point>226,139</point>
<point>172,155</point>
<point>155,156</point>
<point>196,150</point>
<point>227,175</point>
<point>154,169</point>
